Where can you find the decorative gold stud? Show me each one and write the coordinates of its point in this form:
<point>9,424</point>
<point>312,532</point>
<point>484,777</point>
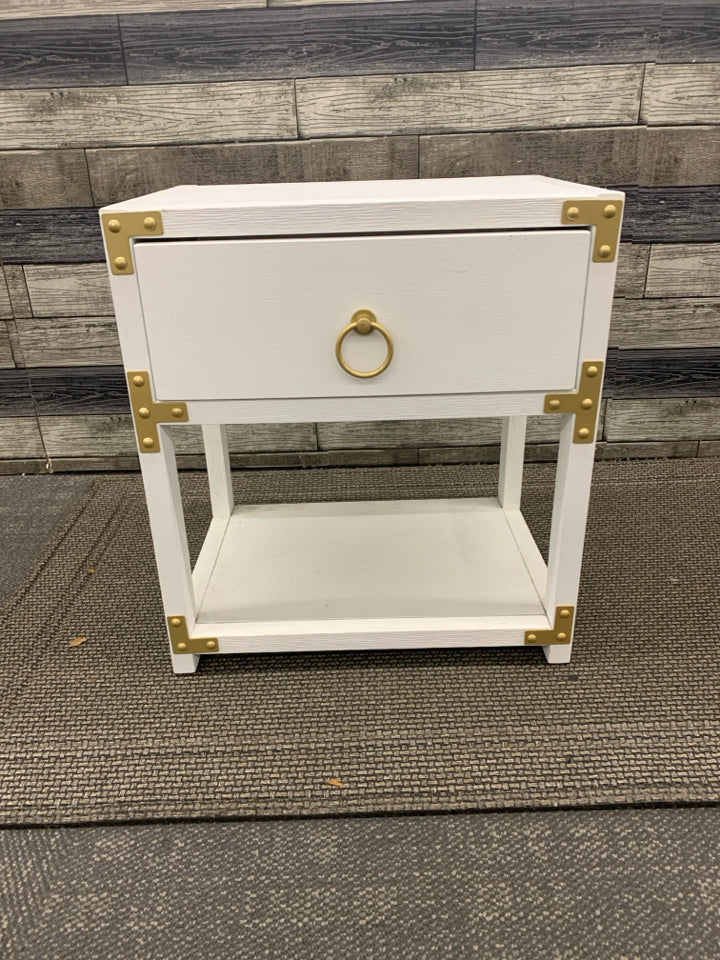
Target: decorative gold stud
<point>564,613</point>
<point>531,638</point>
<point>572,213</point>
<point>554,404</point>
<point>562,637</point>
<point>177,411</point>
<point>120,263</point>
<point>149,223</point>
<point>175,621</point>
<point>586,404</point>
<point>583,433</point>
<point>114,226</point>
<point>181,646</point>
<point>592,371</point>
<point>211,644</point>
<point>604,251</point>
<point>144,413</point>
<point>148,443</point>
<point>609,210</point>
<point>138,380</point>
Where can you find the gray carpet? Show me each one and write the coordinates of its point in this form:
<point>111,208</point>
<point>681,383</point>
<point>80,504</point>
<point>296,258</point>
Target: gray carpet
<point>105,732</point>
<point>572,885</point>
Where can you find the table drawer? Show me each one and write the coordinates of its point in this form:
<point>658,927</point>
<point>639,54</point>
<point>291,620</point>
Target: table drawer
<point>465,313</point>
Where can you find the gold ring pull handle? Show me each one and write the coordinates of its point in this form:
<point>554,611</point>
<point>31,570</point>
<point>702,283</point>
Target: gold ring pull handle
<point>364,322</point>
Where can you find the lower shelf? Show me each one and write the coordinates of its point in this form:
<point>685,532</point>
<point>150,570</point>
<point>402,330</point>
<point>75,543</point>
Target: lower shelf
<point>373,568</point>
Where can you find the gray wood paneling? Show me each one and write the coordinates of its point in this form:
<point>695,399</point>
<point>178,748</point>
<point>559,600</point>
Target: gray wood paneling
<point>61,51</point>
<point>6,312</point>
<point>690,372</point>
<point>672,156</point>
<point>632,269</point>
<point>685,322</point>
<point>15,345</point>
<point>496,99</point>
<point>681,93</point>
<point>20,437</point>
<point>124,172</point>
<point>69,235</point>
<point>44,178</point>
<point>306,3</point>
<point>672,214</point>
<point>6,355</point>
<point>641,450</point>
<point>696,418</point>
<point>65,391</point>
<point>602,156</point>
<point>430,35</point>
<point>15,396</point>
<point>12,9</point>
<point>87,435</point>
<point>69,341</point>
<point>182,113</point>
<point>690,32</point>
<point>69,290</point>
<point>709,448</point>
<point>515,34</point>
<point>17,288</point>
<point>684,270</point>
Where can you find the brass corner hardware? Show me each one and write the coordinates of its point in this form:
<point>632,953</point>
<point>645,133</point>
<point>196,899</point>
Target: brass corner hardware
<point>584,404</point>
<point>182,643</point>
<point>147,413</point>
<point>605,216</point>
<point>119,228</point>
<point>560,633</point>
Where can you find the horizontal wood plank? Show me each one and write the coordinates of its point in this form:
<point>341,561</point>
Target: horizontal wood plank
<point>69,341</point>
<point>695,418</point>
<point>59,391</point>
<point>491,100</point>
<point>124,172</point>
<point>61,51</point>
<point>684,270</point>
<point>227,45</point>
<point>176,113</point>
<point>69,235</point>
<point>646,450</point>
<point>520,34</point>
<point>671,214</point>
<point>6,311</point>
<point>690,32</point>
<point>6,355</point>
<point>20,438</point>
<point>15,394</point>
<point>15,9</point>
<point>88,435</point>
<point>633,374</point>
<point>17,288</point>
<point>69,290</point>
<point>44,178</point>
<point>676,156</point>
<point>682,322</point>
<point>632,269</point>
<point>681,93</point>
<point>709,448</point>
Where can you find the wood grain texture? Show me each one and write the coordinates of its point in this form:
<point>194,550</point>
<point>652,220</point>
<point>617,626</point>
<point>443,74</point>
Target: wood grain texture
<point>646,450</point>
<point>61,51</point>
<point>124,172</point>
<point>69,341</point>
<point>228,45</point>
<point>17,288</point>
<point>684,270</point>
<point>632,269</point>
<point>16,9</point>
<point>694,418</point>
<point>681,93</point>
<point>69,235</point>
<point>7,360</point>
<point>690,32</point>
<point>307,3</point>
<point>99,116</point>
<point>684,322</point>
<point>671,214</point>
<point>709,448</point>
<point>675,156</point>
<point>44,178</point>
<point>59,391</point>
<point>692,372</point>
<point>527,33</point>
<point>72,290</point>
<point>444,103</point>
<point>15,394</point>
<point>88,435</point>
<point>20,437</point>
<point>6,311</point>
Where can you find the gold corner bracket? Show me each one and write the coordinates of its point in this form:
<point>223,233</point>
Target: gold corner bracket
<point>560,633</point>
<point>605,216</point>
<point>147,413</point>
<point>584,404</point>
<point>182,643</point>
<point>119,228</point>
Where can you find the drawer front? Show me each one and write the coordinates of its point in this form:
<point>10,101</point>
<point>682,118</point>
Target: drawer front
<point>466,313</point>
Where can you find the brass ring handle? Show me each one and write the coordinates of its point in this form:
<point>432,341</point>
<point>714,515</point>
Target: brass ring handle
<point>364,322</point>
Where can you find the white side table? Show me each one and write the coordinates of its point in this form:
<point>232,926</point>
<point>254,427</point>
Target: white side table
<point>479,297</point>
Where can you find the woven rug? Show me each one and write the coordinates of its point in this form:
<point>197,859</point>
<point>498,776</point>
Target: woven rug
<point>103,730</point>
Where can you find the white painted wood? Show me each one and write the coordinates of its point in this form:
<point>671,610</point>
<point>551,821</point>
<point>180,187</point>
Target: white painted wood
<point>456,306</point>
<point>167,525</point>
<point>369,560</point>
<point>529,551</point>
<point>205,563</point>
<point>512,458</point>
<point>217,460</point>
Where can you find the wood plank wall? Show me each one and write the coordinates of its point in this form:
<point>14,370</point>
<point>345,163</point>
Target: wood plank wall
<point>100,101</point>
